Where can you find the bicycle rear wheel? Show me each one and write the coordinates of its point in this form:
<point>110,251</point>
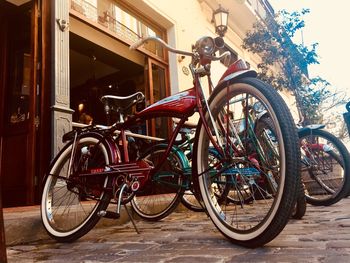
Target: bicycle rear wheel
<point>190,201</point>
<point>163,192</point>
<point>268,176</point>
<point>325,167</point>
<point>70,201</point>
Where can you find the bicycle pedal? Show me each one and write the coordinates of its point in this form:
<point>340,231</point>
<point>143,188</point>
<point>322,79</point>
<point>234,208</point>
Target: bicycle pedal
<point>108,214</point>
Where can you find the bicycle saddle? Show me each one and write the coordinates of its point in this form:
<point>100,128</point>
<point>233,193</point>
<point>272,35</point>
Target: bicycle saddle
<point>120,104</point>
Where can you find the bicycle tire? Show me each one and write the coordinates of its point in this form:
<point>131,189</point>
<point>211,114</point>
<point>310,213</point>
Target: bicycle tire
<point>241,223</point>
<point>300,206</point>
<point>69,209</point>
<point>189,199</point>
<point>164,190</point>
<point>299,210</point>
<point>327,179</point>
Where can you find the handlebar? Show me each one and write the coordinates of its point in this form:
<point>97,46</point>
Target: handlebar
<point>226,55</point>
<point>160,41</point>
<point>140,42</point>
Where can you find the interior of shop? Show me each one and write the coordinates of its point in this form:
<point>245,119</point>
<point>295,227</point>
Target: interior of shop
<point>96,71</point>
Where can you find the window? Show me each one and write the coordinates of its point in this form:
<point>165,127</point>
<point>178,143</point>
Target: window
<point>120,21</point>
<point>233,53</point>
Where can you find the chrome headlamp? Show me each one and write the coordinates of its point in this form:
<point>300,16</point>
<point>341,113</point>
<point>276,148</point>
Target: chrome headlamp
<point>205,46</point>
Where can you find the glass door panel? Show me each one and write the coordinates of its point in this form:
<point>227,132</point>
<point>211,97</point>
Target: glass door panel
<point>158,90</point>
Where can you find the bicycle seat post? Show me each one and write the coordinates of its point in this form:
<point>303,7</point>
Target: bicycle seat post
<point>108,113</point>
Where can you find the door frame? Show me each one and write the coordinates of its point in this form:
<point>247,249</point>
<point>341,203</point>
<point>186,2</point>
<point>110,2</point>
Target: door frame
<point>150,88</point>
<point>33,105</point>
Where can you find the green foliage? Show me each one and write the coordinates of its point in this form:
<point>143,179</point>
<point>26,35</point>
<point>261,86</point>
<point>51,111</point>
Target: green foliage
<point>272,42</point>
<point>310,97</point>
<point>292,22</point>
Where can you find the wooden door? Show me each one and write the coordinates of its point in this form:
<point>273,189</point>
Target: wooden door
<point>18,37</point>
<point>158,89</point>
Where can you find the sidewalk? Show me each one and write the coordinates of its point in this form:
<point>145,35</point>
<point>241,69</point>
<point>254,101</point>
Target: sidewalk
<point>323,235</point>
<point>23,224</point>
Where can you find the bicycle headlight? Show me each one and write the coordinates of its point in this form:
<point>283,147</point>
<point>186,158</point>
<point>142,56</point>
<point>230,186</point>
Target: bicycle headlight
<point>205,46</point>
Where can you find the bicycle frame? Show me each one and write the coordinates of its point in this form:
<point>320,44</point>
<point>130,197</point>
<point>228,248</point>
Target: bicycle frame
<point>181,105</point>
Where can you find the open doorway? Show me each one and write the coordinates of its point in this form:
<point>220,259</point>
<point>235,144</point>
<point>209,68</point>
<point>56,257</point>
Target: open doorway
<point>96,71</point>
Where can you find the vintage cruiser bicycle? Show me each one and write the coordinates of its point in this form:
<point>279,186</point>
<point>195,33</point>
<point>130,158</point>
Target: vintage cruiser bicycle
<point>94,169</point>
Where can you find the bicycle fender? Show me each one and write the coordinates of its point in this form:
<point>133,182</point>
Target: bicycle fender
<point>107,141</point>
<point>311,127</point>
<point>229,79</point>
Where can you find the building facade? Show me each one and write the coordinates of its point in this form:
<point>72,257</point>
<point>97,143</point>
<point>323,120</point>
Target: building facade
<point>59,57</point>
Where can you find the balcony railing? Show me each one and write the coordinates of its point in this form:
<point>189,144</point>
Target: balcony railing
<point>262,8</point>
<point>118,21</point>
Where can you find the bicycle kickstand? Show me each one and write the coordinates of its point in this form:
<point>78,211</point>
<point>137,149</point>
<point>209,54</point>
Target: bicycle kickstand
<point>127,211</point>
<point>116,214</point>
<point>131,219</point>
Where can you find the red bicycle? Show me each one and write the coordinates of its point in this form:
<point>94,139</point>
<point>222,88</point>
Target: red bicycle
<point>95,167</point>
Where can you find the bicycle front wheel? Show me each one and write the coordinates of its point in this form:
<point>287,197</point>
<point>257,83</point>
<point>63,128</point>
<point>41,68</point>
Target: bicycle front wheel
<point>250,193</point>
<point>71,200</point>
<point>325,167</point>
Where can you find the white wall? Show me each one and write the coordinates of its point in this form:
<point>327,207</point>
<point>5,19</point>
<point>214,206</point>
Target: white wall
<point>186,21</point>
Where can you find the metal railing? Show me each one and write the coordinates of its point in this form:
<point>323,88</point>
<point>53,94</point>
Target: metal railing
<point>120,22</point>
<point>262,8</point>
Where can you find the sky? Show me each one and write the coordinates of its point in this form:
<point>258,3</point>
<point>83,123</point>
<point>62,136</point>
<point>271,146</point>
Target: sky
<point>327,24</point>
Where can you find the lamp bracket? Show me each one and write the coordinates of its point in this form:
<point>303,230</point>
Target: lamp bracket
<point>62,24</point>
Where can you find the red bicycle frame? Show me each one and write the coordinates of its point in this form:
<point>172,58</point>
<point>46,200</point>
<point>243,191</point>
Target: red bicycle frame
<point>181,105</point>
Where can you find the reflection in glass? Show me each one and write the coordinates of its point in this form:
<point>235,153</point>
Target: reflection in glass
<point>159,92</point>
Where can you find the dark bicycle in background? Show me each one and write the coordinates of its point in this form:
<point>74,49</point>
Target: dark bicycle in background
<point>325,163</point>
<point>346,116</point>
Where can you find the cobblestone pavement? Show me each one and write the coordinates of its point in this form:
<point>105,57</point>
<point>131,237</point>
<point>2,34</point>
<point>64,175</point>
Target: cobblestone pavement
<point>323,235</point>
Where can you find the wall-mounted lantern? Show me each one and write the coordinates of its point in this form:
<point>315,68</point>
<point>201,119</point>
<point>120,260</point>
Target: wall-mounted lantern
<point>220,18</point>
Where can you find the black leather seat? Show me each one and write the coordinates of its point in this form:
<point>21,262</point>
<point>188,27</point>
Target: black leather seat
<point>120,104</point>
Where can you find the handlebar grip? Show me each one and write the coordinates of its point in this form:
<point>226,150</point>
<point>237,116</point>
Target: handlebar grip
<point>227,58</point>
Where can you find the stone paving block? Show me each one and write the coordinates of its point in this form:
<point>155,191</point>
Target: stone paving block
<point>322,236</point>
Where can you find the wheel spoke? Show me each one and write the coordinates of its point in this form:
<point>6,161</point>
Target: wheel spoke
<point>243,189</point>
<point>68,208</point>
